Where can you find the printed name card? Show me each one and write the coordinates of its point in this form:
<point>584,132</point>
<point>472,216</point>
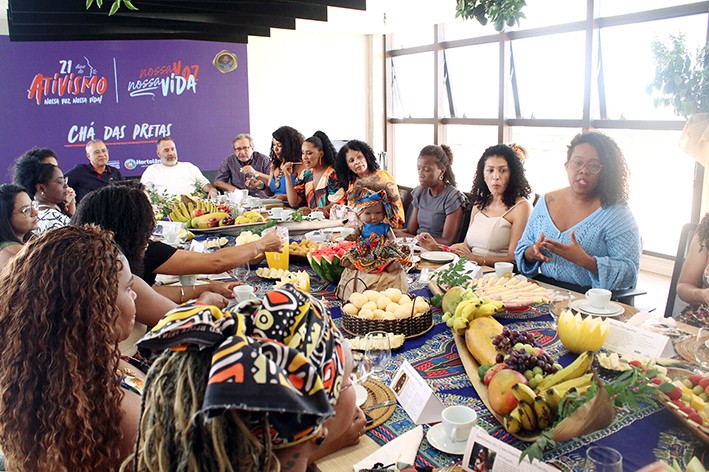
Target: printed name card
<point>624,338</point>
<point>415,396</point>
<point>197,246</point>
<point>485,453</point>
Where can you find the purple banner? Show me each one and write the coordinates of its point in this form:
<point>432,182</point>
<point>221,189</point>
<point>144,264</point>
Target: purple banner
<point>127,93</point>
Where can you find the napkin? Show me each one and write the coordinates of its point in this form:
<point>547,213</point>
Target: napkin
<point>402,449</point>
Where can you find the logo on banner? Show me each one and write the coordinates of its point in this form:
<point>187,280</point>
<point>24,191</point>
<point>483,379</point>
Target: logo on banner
<point>174,79</point>
<point>129,164</point>
<point>72,84</point>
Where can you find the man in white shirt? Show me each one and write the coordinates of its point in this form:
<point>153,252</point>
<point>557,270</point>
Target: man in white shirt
<point>172,177</point>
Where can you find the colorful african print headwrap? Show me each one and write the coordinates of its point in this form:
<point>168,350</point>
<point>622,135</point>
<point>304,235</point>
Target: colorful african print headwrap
<point>250,374</point>
<point>301,322</point>
<point>368,198</point>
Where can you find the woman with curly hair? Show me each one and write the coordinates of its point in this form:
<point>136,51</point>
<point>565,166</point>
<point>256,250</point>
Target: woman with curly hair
<point>500,208</point>
<point>316,187</point>
<point>693,283</point>
<point>286,146</point>
<point>68,401</point>
<point>438,204</point>
<point>46,185</point>
<point>585,234</point>
<point>18,218</point>
<point>249,391</point>
<point>355,160</point>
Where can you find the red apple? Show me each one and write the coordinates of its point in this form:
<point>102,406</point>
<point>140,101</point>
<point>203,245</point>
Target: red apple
<point>499,392</point>
<point>212,223</point>
<point>695,379</point>
<point>197,212</point>
<point>490,373</point>
<point>704,382</point>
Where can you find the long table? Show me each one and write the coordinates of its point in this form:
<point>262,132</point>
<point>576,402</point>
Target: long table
<point>643,436</point>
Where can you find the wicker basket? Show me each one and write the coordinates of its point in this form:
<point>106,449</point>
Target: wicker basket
<point>409,327</point>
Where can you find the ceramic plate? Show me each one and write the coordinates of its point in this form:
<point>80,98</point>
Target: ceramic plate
<point>360,394</point>
<point>438,256</point>
<point>437,438</point>
<point>585,307</point>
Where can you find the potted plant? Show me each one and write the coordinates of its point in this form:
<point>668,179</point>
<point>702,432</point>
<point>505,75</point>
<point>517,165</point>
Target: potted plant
<point>682,80</point>
<point>501,12</point>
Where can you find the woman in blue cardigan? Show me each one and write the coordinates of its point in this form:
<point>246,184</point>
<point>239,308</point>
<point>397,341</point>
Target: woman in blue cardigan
<point>585,233</point>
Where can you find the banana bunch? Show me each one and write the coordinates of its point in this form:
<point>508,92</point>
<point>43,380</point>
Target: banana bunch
<point>538,409</point>
<point>469,308</point>
<point>249,217</point>
<point>182,210</point>
<point>180,213</point>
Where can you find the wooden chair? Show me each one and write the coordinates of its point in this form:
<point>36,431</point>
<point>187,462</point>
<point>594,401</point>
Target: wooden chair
<point>685,239</point>
<point>406,197</point>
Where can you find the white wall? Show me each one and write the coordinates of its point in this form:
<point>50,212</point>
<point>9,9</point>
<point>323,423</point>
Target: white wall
<point>310,81</point>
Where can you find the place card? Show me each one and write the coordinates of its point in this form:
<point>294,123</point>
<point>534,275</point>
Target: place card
<point>625,338</point>
<point>415,396</point>
<point>197,246</point>
<point>483,452</point>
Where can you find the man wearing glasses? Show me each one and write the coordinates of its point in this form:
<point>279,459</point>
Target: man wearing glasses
<point>242,166</point>
<point>96,174</point>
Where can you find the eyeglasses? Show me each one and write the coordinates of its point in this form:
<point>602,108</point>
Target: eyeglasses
<point>593,167</point>
<point>240,149</point>
<point>27,210</point>
<point>61,181</point>
<point>98,152</point>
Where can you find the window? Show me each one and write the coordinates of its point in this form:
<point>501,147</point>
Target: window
<point>468,144</point>
<point>550,75</point>
<point>412,86</point>
<point>552,12</point>
<point>474,82</point>
<point>615,7</point>
<point>408,142</point>
<point>629,68</point>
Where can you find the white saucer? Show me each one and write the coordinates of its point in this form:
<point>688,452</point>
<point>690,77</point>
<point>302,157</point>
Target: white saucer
<point>585,307</point>
<point>361,394</point>
<point>437,438</point>
<point>438,256</point>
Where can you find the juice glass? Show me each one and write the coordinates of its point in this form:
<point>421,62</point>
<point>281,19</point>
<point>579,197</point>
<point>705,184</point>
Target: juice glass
<point>278,260</point>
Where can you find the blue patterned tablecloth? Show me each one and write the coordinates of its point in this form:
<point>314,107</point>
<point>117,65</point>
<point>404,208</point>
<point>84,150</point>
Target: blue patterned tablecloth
<point>642,436</point>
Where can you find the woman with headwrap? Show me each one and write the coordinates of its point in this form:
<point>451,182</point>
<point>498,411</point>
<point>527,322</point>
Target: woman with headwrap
<point>244,391</point>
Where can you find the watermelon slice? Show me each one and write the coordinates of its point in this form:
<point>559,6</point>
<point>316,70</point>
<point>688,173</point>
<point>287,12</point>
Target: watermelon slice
<point>325,260</point>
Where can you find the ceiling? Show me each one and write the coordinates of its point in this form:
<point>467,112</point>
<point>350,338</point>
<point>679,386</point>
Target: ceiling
<point>209,20</point>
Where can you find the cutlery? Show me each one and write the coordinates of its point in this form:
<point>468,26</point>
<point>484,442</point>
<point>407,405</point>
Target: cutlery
<point>379,405</point>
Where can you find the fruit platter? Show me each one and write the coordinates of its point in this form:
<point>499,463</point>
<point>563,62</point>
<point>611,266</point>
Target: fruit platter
<point>686,395</point>
<point>222,222</point>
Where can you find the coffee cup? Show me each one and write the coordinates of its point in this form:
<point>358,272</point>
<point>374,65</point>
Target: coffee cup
<point>170,238</point>
<point>503,268</point>
<point>276,213</point>
<point>458,420</point>
<point>598,297</point>
<point>186,280</point>
<point>317,215</point>
<point>243,293</point>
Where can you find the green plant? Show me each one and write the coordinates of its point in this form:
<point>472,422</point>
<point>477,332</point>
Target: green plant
<point>682,78</point>
<point>501,12</point>
<point>114,7</point>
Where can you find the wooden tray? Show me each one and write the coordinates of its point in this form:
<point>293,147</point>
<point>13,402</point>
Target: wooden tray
<point>471,368</point>
<point>701,432</point>
<point>233,230</point>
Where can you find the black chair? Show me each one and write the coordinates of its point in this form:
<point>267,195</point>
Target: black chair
<point>465,222</point>
<point>210,174</point>
<point>685,239</point>
<point>626,295</point>
<point>406,197</point>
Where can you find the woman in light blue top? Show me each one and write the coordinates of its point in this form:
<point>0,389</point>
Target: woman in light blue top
<point>585,233</point>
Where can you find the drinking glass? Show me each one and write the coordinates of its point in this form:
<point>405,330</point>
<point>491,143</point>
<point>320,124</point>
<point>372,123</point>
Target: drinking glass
<point>378,351</point>
<point>279,260</point>
<point>701,348</point>
<point>241,272</point>
<point>211,244</point>
<point>603,459</point>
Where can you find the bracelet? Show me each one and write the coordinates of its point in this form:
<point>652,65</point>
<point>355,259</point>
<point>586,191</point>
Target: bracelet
<point>445,248</point>
<point>262,186</point>
<point>182,295</point>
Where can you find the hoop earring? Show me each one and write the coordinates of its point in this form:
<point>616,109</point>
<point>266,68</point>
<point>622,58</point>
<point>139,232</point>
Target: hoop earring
<point>441,177</point>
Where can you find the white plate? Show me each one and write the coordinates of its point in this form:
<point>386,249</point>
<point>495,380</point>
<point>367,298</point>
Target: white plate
<point>361,394</point>
<point>329,235</point>
<point>585,307</point>
<point>438,256</point>
<point>437,438</point>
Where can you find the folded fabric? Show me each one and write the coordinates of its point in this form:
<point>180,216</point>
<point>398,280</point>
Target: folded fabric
<point>402,449</point>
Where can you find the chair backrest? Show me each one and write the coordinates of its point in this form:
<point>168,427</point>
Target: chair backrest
<point>465,222</point>
<point>210,174</point>
<point>406,197</point>
<point>685,239</point>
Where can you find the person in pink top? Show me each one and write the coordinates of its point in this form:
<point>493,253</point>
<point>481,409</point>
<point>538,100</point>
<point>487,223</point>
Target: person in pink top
<point>500,208</point>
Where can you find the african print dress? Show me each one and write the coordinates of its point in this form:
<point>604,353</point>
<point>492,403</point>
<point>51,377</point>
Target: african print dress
<point>373,251</point>
<point>322,193</point>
